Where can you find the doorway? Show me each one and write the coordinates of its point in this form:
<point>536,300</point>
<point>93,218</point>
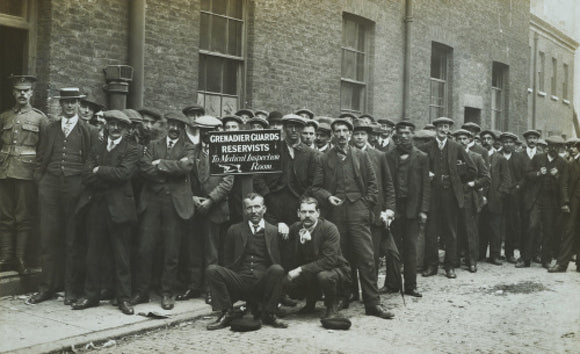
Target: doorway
<point>12,61</point>
<point>472,115</point>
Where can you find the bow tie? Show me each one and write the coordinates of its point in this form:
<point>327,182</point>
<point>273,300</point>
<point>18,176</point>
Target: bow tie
<point>305,235</point>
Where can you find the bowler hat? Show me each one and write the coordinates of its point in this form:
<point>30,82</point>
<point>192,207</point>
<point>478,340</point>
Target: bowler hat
<point>66,93</point>
<point>306,111</point>
<point>344,121</point>
<point>194,108</point>
<point>443,120</point>
<point>293,118</point>
<point>117,115</point>
<point>176,116</point>
<point>22,81</point>
<point>532,132</point>
<point>337,322</point>
<point>555,140</point>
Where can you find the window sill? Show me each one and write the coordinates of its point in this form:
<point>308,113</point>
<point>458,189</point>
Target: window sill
<point>530,90</point>
<point>566,102</point>
<point>554,98</point>
<point>541,93</point>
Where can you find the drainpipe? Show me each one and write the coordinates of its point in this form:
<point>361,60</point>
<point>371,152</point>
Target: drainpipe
<point>535,80</point>
<point>137,51</point>
<point>407,61</point>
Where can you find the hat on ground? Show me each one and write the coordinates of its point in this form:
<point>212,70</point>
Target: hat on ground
<point>405,123</point>
<point>443,120</point>
<point>293,118</point>
<point>235,118</point>
<point>532,132</point>
<point>149,112</point>
<point>66,93</point>
<point>133,115</point>
<point>508,135</point>
<point>245,112</point>
<point>263,113</point>
<point>176,116</point>
<point>472,127</point>
<point>555,140</point>
<point>337,322</point>
<point>194,109</point>
<point>115,114</point>
<point>206,122</point>
<point>245,325</point>
<point>22,82</point>
<point>259,120</point>
<point>367,116</point>
<point>359,125</point>
<point>274,116</point>
<point>386,121</point>
<point>324,127</point>
<point>424,134</point>
<point>345,121</point>
<point>348,115</point>
<point>306,111</point>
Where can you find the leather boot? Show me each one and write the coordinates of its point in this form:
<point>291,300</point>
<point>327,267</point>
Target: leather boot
<point>331,309</point>
<point>21,242</point>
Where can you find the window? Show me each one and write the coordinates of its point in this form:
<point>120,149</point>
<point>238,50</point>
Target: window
<point>440,80</point>
<point>565,83</point>
<point>541,70</point>
<point>356,37</point>
<point>554,88</point>
<point>221,56</point>
<point>499,104</point>
<point>13,7</point>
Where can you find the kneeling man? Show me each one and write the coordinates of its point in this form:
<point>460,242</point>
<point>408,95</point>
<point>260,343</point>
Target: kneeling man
<point>252,270</point>
<point>319,266</point>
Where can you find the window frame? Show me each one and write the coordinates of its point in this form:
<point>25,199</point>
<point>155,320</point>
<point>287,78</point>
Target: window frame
<point>28,22</point>
<point>554,78</point>
<point>542,72</point>
<point>499,110</point>
<point>440,50</point>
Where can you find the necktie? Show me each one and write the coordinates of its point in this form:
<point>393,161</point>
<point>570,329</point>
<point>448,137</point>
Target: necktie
<point>111,145</point>
<point>256,228</point>
<point>441,144</point>
<point>304,235</point>
<point>66,129</point>
<point>291,152</point>
<point>169,144</point>
<point>341,154</point>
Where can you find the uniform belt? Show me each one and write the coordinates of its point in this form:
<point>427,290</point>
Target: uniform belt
<point>18,150</point>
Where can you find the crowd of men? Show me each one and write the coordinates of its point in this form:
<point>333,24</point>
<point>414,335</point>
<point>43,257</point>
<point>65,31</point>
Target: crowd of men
<point>125,203</point>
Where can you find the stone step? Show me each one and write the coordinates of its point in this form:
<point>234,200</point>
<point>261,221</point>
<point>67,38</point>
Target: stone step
<point>11,283</point>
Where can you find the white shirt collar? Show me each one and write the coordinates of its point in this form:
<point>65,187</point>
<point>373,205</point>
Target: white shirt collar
<point>194,138</point>
<point>71,122</point>
<point>443,142</point>
<point>174,141</point>
<point>470,145</point>
<point>577,157</point>
<point>261,225</point>
<point>490,152</point>
<point>115,142</point>
<point>531,151</point>
<point>550,158</point>
<point>507,156</point>
<point>386,141</point>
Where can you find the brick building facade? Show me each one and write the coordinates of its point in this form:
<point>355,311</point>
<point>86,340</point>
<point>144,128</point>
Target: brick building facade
<point>467,59</point>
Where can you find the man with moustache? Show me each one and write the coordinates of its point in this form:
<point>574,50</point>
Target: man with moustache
<point>165,204</point>
<point>385,142</point>
<point>347,183</point>
<point>251,271</point>
<point>20,129</point>
<point>64,148</point>
<point>108,205</point>
<point>450,166</point>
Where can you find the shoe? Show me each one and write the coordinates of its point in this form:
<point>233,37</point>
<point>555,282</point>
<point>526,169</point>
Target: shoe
<point>167,302</point>
<point>379,311</point>
<point>222,322</point>
<point>472,268</point>
<point>114,302</point>
<point>21,267</point>
<point>271,320</point>
<point>557,269</point>
<point>126,308</point>
<point>287,301</point>
<point>208,298</point>
<point>188,294</point>
<point>494,261</point>
<point>387,290</point>
<point>450,273</point>
<point>430,271</point>
<point>139,299</point>
<point>309,308</point>
<point>331,311</point>
<point>70,299</point>
<point>342,304</point>
<point>413,292</point>
<point>523,264</point>
<point>40,297</point>
<point>106,294</point>
<point>512,259</point>
<point>83,303</point>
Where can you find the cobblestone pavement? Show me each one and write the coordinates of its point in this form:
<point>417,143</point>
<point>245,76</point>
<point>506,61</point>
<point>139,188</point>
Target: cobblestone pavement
<point>497,309</point>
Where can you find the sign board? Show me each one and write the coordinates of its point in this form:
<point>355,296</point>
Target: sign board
<point>245,152</point>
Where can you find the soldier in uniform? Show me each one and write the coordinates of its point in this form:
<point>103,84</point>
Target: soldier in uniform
<point>20,129</point>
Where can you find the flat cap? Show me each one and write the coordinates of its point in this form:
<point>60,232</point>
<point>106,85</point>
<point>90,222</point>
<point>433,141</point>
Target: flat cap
<point>274,116</point>
<point>324,119</point>
<point>324,127</point>
<point>508,135</point>
<point>531,132</point>
<point>206,122</point>
<point>542,142</point>
<point>573,141</point>
<point>367,116</point>
<point>117,115</point>
<point>443,120</point>
<point>66,93</point>
<point>493,133</point>
<point>345,121</point>
<point>386,121</point>
<point>194,108</point>
<point>377,128</point>
<point>234,118</point>
<point>459,132</point>
<point>245,112</point>
<point>258,120</point>
<point>95,106</point>
<point>313,123</point>
<point>424,134</point>
<point>149,112</point>
<point>359,125</point>
<point>263,113</point>
<point>133,115</point>
<point>429,126</point>
<point>293,118</point>
<point>305,111</point>
<point>405,123</point>
<point>176,116</point>
<point>348,115</point>
<point>555,140</point>
<point>22,81</point>
<point>472,127</point>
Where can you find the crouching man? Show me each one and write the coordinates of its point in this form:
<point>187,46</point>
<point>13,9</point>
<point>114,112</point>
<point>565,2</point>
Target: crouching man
<point>252,270</point>
<point>319,266</point>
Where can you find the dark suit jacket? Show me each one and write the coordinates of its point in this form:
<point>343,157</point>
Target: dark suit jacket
<point>216,188</point>
<point>535,181</point>
<point>46,143</point>
<point>481,151</point>
<point>418,183</point>
<point>302,173</point>
<point>574,179</point>
<point>325,245</point>
<point>482,181</point>
<point>325,177</point>
<point>237,240</point>
<point>170,176</point>
<point>461,166</point>
<point>389,147</point>
<point>517,166</point>
<point>113,179</point>
<point>500,182</point>
<point>386,196</point>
